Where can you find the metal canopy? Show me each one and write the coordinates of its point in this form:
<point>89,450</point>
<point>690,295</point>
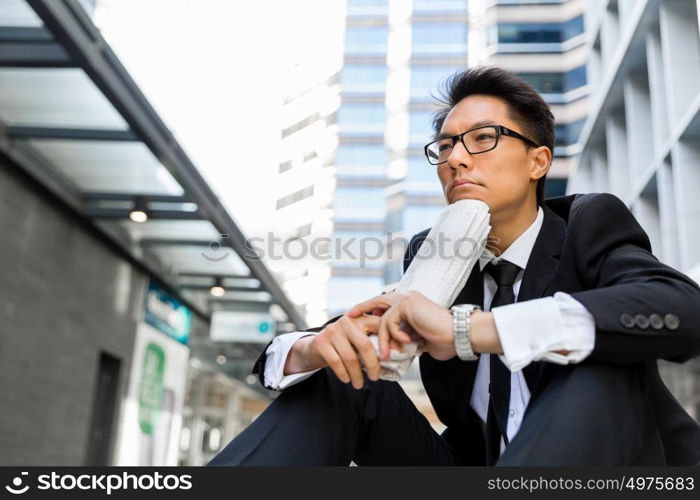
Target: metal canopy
<point>72,117</point>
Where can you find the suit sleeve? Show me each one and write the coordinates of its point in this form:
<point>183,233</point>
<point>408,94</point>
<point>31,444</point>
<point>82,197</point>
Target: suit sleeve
<point>259,366</point>
<point>643,309</point>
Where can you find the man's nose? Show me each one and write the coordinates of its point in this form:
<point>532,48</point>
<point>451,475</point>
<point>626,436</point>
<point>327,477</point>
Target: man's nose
<point>459,156</point>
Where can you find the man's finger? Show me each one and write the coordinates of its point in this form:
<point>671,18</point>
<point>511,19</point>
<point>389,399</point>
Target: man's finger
<point>328,353</point>
<point>349,358</point>
<point>364,347</point>
<point>383,334</point>
<point>380,302</point>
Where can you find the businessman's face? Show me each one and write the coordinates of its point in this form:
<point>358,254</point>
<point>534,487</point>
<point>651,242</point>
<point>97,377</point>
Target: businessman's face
<point>504,178</point>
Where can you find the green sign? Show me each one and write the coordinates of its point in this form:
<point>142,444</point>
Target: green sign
<point>151,390</point>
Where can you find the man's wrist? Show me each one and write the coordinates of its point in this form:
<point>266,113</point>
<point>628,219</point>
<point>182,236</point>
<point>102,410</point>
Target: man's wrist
<point>300,358</point>
<point>484,335</point>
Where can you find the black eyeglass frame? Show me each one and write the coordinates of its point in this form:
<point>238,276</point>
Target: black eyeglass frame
<point>500,130</point>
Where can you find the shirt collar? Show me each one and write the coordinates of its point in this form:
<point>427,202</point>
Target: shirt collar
<point>519,251</point>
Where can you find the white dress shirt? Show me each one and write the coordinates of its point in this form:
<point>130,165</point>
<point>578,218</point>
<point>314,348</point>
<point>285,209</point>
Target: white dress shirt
<point>528,331</point>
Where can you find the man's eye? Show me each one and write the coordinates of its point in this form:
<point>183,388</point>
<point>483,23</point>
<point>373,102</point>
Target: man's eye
<point>446,146</point>
<point>485,137</point>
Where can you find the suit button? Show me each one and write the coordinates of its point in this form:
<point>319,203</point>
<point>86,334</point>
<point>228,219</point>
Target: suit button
<point>627,320</point>
<point>672,322</point>
<point>641,321</point>
<point>656,321</point>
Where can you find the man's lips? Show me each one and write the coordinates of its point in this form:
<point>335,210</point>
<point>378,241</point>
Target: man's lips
<point>461,181</point>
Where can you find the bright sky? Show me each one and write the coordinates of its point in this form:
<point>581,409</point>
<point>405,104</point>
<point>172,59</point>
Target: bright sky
<point>215,72</point>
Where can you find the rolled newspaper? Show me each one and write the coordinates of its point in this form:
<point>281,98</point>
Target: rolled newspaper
<point>441,267</point>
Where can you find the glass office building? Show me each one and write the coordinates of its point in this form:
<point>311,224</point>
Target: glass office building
<point>641,140</point>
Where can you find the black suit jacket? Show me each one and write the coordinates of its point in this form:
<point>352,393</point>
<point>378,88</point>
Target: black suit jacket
<point>591,247</point>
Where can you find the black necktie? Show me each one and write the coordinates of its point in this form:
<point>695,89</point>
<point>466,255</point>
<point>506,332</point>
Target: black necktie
<point>504,274</point>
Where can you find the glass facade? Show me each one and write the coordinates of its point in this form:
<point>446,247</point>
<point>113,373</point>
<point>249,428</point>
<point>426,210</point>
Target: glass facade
<point>421,127</point>
<point>419,170</point>
<point>366,40</point>
<point>363,78</point>
<point>556,83</point>
<point>362,119</point>
<point>539,32</point>
<point>361,154</point>
<point>359,204</point>
<point>567,134</point>
<point>438,6</point>
<point>437,38</point>
<point>426,80</point>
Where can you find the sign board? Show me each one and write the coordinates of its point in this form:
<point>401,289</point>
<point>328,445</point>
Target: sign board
<point>236,326</point>
<point>166,314</point>
<point>152,416</point>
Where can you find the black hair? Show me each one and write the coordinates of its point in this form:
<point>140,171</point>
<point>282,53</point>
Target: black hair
<point>525,105</point>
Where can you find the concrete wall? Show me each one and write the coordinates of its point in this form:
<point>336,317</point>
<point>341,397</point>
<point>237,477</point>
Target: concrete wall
<point>65,295</point>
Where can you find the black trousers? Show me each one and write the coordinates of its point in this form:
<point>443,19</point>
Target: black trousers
<point>587,415</point>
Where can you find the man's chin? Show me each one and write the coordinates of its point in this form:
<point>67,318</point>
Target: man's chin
<point>466,196</point>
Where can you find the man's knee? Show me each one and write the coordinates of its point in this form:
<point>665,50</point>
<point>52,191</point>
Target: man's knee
<point>586,414</point>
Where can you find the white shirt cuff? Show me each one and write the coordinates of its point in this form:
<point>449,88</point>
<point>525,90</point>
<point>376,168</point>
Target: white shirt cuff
<point>532,330</point>
<point>277,353</point>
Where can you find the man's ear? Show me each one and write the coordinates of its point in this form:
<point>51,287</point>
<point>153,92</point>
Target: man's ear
<point>541,161</point>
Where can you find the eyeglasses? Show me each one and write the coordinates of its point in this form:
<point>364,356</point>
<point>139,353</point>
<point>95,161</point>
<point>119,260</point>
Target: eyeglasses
<point>475,141</point>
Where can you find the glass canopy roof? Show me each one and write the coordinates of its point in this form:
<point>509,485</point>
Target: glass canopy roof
<point>75,120</point>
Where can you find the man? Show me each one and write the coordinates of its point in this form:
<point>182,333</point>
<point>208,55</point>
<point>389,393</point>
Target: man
<point>565,370</point>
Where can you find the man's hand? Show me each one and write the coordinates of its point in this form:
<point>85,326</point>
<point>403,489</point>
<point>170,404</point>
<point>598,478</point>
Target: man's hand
<point>340,345</point>
<point>410,317</point>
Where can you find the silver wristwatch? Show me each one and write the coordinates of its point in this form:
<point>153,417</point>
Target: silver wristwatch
<point>461,314</point>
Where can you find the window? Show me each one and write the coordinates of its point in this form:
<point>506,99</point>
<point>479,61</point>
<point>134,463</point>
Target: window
<point>556,83</point>
<point>360,40</point>
<point>358,249</point>
<point>568,133</point>
<point>363,78</point>
<point>421,127</point>
<point>296,196</point>
<point>416,219</point>
<point>361,154</point>
<point>540,32</point>
<point>426,79</point>
<point>301,124</point>
<point>367,3</point>
<point>439,6</point>
<point>362,119</point>
<point>355,203</point>
<point>419,170</point>
<point>364,197</point>
<point>362,113</point>
<point>439,37</point>
<point>575,78</point>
